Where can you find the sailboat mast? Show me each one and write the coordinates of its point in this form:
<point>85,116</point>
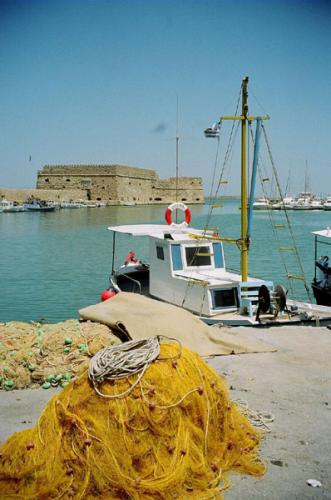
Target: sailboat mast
<point>244,118</point>
<point>306,178</point>
<point>177,169</point>
<point>244,242</point>
<point>177,162</point>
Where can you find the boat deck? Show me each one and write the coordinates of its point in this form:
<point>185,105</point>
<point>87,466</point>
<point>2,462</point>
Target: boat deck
<point>306,313</point>
<point>215,277</point>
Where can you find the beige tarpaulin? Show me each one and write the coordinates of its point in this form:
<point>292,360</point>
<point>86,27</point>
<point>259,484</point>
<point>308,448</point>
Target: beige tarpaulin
<point>135,316</point>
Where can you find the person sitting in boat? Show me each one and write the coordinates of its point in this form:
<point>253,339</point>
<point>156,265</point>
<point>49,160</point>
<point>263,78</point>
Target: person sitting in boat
<point>131,259</point>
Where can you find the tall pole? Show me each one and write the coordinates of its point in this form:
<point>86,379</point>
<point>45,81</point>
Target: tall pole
<point>244,241</point>
<point>177,173</point>
<point>253,178</point>
<point>177,164</point>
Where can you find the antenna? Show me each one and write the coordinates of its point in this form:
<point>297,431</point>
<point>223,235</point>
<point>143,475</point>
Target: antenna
<point>177,161</point>
<point>177,147</point>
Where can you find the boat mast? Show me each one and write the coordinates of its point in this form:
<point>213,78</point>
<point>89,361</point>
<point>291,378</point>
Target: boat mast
<point>245,221</point>
<point>244,240</point>
<point>177,162</point>
<point>306,178</point>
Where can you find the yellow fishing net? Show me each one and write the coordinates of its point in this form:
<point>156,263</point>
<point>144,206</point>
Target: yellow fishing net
<point>173,436</point>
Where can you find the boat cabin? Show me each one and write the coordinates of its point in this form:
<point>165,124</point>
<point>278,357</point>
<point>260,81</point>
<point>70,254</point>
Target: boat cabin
<point>187,269</point>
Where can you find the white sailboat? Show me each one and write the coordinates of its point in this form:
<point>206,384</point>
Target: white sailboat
<point>327,203</point>
<point>261,204</point>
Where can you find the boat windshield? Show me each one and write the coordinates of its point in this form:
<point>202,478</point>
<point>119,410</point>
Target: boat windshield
<point>198,256</point>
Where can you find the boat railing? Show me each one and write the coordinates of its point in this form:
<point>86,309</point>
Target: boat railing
<point>134,282</point>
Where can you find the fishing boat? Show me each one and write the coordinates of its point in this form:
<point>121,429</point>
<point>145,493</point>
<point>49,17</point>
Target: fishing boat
<point>10,206</point>
<point>306,197</point>
<point>327,203</point>
<point>316,204</point>
<point>186,266</point>
<point>304,201</point>
<point>36,205</point>
<point>261,204</point>
<point>71,204</point>
<point>321,284</point>
<point>288,203</point>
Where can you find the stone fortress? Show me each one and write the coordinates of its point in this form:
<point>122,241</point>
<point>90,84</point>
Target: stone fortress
<point>111,184</point>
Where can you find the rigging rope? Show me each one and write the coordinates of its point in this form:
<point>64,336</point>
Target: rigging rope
<point>216,160</point>
<point>229,149</point>
<point>232,137</point>
<point>286,214</point>
<point>270,212</point>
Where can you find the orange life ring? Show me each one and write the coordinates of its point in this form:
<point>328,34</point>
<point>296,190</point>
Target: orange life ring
<point>177,206</point>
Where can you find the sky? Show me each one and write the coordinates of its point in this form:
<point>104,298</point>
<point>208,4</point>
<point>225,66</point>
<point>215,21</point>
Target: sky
<point>110,81</point>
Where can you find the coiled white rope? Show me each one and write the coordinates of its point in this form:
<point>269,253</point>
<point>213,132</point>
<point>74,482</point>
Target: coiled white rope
<point>124,360</point>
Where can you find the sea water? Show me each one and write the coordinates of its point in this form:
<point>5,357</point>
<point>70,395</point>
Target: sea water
<point>54,263</point>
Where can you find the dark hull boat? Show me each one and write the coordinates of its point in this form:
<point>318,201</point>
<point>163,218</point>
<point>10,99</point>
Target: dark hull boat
<point>322,295</point>
<point>133,278</point>
<point>321,284</point>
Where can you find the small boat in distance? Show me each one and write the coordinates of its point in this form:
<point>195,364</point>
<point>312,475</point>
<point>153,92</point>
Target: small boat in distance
<point>288,202</point>
<point>316,204</point>
<point>261,204</point>
<point>37,205</point>
<point>10,206</point>
<point>304,201</point>
<point>327,204</point>
<point>71,204</point>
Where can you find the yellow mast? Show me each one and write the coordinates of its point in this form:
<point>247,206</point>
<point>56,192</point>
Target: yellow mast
<point>245,118</point>
<point>244,242</point>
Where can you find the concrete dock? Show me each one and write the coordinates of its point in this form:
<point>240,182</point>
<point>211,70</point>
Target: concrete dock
<point>291,388</point>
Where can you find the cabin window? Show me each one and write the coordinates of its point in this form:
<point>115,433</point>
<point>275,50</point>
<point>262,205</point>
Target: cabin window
<point>198,256</point>
<point>224,298</point>
<point>218,254</point>
<point>177,263</point>
<point>160,253</point>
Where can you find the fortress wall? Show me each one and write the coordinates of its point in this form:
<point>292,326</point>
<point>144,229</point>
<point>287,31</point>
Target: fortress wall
<point>104,170</point>
<point>120,184</point>
<point>133,190</point>
<point>189,190</point>
<point>95,187</point>
<point>21,195</point>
